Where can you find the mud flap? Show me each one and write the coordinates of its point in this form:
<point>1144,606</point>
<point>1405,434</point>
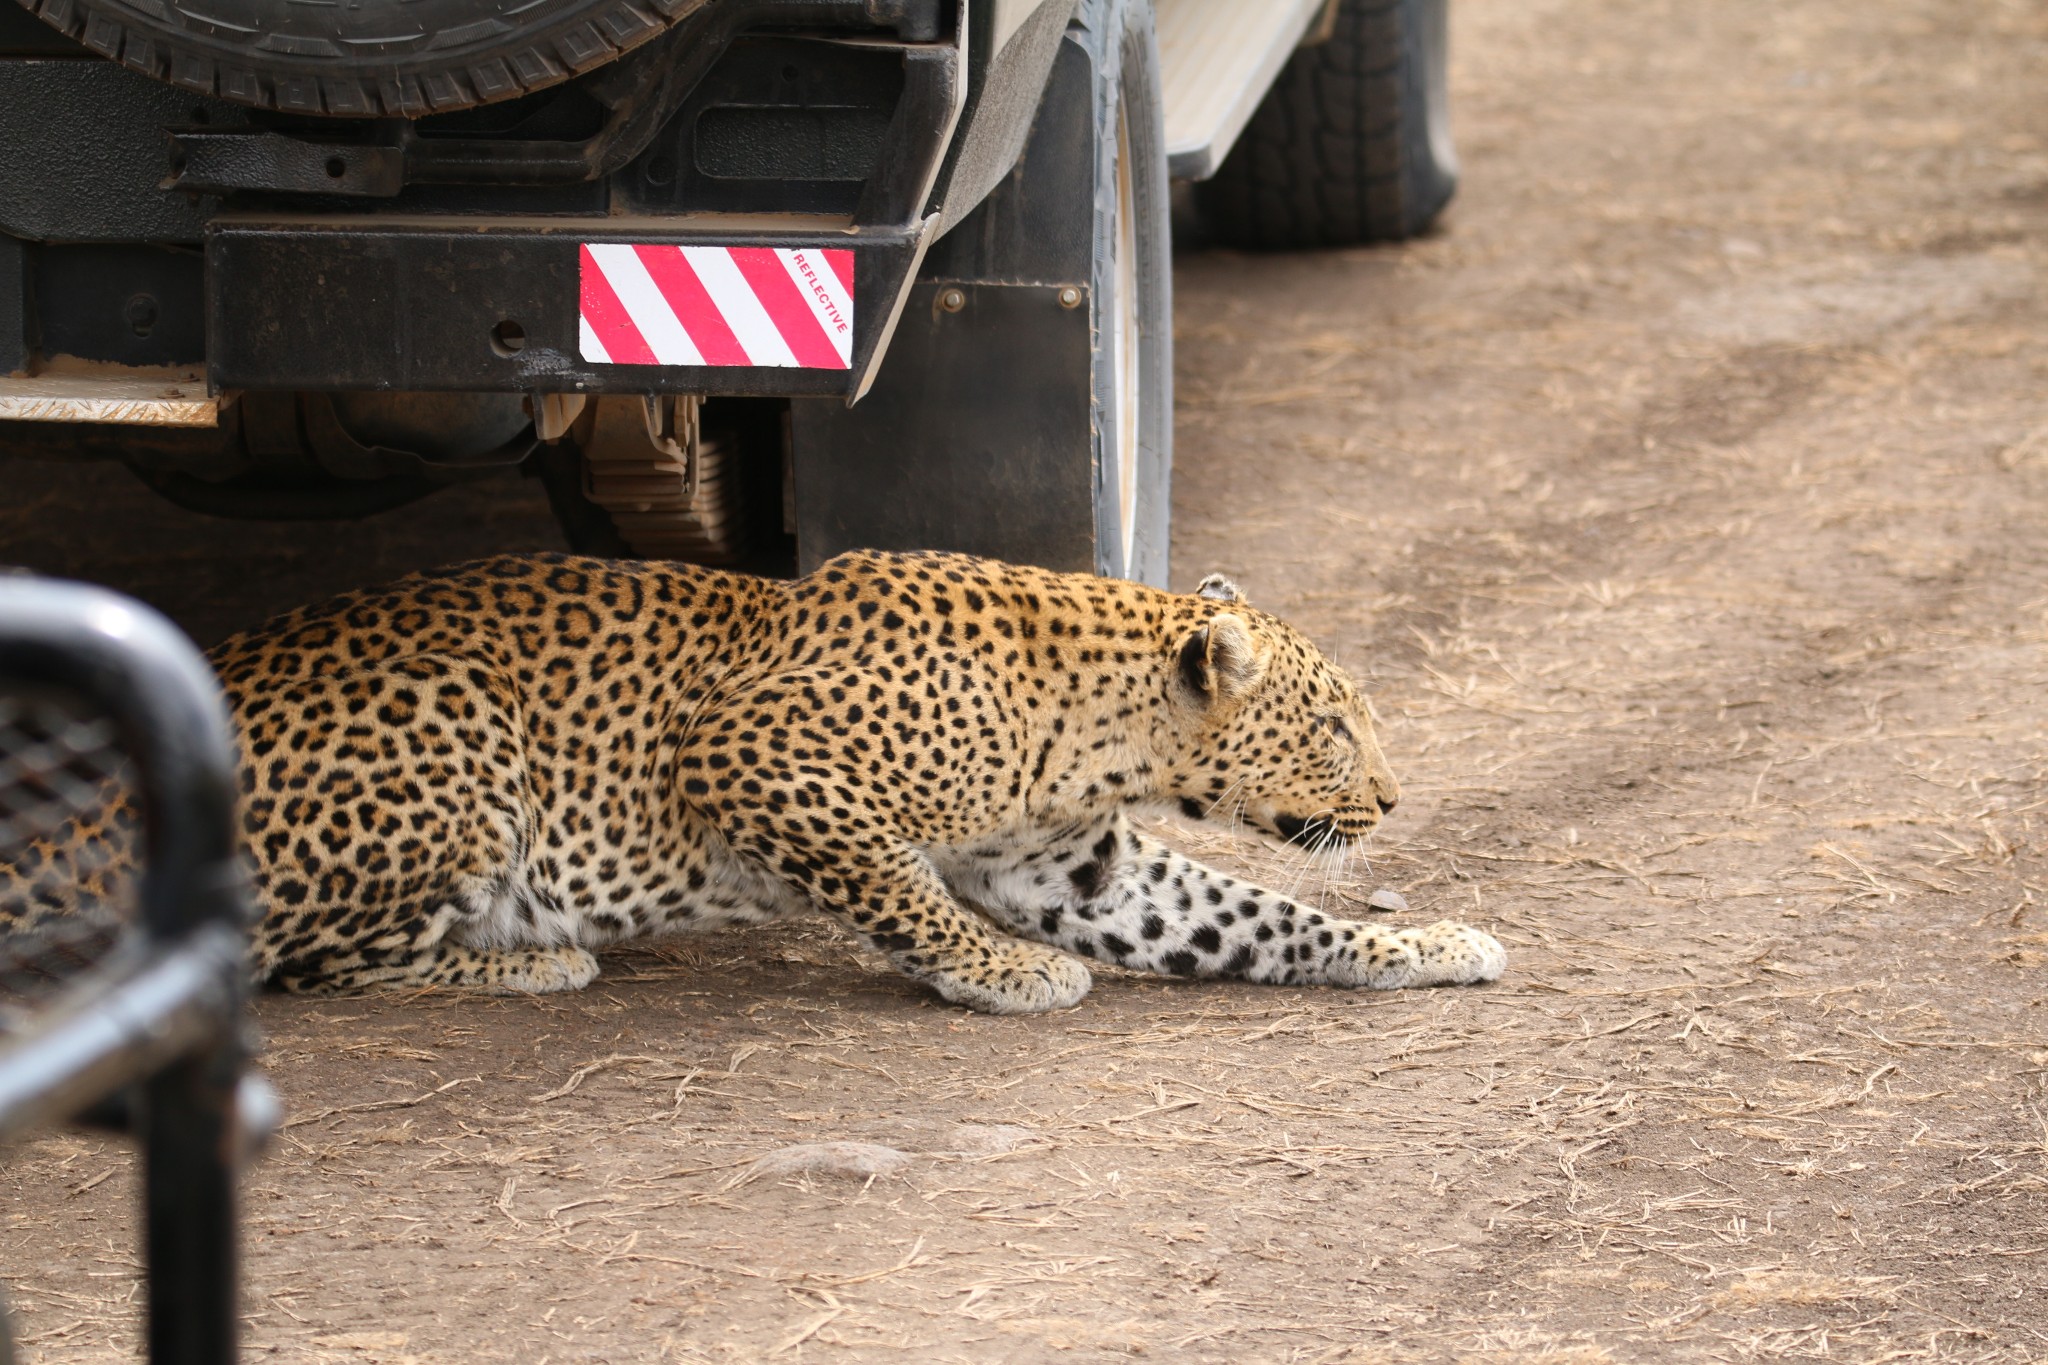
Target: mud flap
<point>980,432</point>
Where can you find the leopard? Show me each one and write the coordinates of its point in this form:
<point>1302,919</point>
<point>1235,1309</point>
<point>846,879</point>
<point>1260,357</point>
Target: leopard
<point>475,776</point>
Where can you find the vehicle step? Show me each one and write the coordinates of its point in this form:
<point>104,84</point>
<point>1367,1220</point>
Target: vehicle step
<point>1218,59</point>
<point>123,396</point>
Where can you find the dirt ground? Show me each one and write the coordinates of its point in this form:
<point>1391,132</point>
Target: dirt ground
<point>1682,503</point>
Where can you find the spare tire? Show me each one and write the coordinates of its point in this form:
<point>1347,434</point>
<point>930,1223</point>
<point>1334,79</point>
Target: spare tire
<point>425,57</point>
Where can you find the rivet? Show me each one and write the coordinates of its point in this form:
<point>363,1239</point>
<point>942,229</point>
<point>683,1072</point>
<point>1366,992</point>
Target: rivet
<point>1070,297</point>
<point>952,300</point>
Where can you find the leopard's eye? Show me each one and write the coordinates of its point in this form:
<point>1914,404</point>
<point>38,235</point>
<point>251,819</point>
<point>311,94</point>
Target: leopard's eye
<point>1338,727</point>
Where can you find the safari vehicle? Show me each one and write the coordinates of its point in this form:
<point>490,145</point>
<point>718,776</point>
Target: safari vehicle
<point>741,280</point>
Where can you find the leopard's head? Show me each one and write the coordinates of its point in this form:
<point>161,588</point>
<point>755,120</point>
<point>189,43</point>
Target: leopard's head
<point>1273,734</point>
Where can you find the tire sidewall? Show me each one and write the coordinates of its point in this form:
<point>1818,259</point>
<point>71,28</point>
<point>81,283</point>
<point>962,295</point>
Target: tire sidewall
<point>1120,38</point>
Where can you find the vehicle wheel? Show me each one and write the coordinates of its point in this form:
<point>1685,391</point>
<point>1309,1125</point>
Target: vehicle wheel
<point>1353,142</point>
<point>1132,298</point>
<point>363,60</point>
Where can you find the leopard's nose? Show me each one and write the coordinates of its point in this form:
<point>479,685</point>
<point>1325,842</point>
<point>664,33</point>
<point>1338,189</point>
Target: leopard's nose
<point>1386,792</point>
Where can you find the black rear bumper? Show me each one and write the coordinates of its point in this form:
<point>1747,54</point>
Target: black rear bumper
<point>372,304</point>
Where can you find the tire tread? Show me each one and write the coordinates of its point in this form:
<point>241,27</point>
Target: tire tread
<point>600,31</point>
<point>1330,157</point>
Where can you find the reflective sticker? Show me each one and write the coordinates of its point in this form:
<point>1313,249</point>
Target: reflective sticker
<point>779,307</point>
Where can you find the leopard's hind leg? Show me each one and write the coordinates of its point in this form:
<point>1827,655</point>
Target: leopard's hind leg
<point>500,971</point>
<point>388,815</point>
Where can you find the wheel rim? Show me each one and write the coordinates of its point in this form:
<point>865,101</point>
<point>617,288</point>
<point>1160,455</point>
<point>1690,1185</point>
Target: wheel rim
<point>1125,340</point>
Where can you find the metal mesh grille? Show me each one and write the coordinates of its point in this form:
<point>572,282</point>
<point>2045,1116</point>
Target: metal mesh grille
<point>69,845</point>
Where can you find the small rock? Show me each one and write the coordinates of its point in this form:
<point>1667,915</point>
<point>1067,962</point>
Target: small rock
<point>1384,899</point>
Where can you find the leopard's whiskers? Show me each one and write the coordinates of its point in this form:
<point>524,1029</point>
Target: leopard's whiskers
<point>1340,851</point>
<point>1226,794</point>
<point>1308,858</point>
<point>1327,858</point>
<point>1237,815</point>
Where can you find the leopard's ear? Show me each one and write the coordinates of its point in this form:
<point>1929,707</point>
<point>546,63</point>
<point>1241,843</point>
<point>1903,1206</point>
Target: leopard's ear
<point>1217,588</point>
<point>1221,663</point>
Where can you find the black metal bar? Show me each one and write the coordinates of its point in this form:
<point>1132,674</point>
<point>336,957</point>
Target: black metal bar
<point>171,1020</point>
<point>14,316</point>
<point>189,1209</point>
<point>222,160</point>
<point>124,1027</point>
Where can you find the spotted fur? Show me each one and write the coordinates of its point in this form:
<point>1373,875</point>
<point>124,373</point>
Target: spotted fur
<point>474,776</point>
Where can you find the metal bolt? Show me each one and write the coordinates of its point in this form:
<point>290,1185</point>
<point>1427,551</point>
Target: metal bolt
<point>1070,297</point>
<point>952,300</point>
<point>141,312</point>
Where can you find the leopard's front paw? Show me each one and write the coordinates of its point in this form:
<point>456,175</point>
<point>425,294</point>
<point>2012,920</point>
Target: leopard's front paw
<point>1444,954</point>
<point>1375,961</point>
<point>1014,978</point>
<point>1452,954</point>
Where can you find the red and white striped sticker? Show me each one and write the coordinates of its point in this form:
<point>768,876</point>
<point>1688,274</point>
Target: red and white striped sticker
<point>790,308</point>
